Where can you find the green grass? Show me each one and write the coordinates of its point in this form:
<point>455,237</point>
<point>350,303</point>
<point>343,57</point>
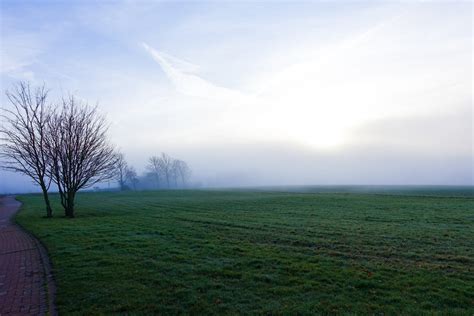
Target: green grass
<point>213,252</point>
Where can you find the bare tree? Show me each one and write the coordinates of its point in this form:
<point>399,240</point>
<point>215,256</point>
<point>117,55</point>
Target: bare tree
<point>154,168</point>
<point>166,166</point>
<point>161,168</point>
<point>175,172</point>
<point>183,171</point>
<point>121,169</point>
<point>131,177</point>
<point>79,151</point>
<point>23,136</point>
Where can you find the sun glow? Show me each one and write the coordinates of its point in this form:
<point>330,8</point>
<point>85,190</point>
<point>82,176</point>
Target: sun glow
<point>319,94</point>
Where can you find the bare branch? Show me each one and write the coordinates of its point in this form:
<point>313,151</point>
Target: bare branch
<point>23,135</point>
<point>79,151</point>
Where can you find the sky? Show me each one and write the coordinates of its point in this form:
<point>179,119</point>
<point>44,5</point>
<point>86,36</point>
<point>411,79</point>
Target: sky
<point>262,93</point>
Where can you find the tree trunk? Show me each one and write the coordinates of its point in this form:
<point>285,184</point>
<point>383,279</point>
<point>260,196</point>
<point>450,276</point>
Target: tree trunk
<point>157,179</point>
<point>49,210</point>
<point>69,210</point>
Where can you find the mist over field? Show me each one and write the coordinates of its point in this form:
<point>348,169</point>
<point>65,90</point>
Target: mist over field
<point>254,94</point>
<point>268,164</point>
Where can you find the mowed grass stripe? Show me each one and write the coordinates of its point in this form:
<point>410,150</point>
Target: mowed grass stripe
<point>331,244</point>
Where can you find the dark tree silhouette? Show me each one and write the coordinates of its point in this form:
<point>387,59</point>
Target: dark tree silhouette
<point>23,135</point>
<point>79,151</point>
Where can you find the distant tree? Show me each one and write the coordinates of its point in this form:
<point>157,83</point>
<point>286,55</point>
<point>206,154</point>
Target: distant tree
<point>131,177</point>
<point>182,171</point>
<point>23,136</point>
<point>147,181</point>
<point>121,170</point>
<point>179,174</point>
<point>79,151</point>
<point>175,172</point>
<point>166,167</point>
<point>154,169</point>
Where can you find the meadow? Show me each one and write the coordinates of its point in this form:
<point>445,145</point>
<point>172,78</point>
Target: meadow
<point>256,252</point>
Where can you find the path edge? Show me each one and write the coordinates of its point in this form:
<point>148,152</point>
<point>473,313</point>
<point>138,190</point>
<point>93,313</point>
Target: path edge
<point>46,264</point>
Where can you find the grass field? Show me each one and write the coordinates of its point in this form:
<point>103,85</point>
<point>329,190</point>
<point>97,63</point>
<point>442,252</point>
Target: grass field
<point>217,252</point>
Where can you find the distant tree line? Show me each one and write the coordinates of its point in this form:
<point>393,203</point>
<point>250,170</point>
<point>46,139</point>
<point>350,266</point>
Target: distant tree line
<point>66,145</point>
<point>162,172</point>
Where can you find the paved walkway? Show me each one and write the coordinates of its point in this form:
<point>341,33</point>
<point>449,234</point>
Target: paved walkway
<point>24,268</point>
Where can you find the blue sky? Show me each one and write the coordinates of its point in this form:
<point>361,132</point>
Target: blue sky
<point>263,92</point>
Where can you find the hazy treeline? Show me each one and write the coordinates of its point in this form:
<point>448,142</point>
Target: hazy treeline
<point>162,172</point>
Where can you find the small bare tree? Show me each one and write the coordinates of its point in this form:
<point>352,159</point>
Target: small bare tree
<point>182,171</point>
<point>121,170</point>
<point>166,166</point>
<point>131,177</point>
<point>154,169</point>
<point>175,172</point>
<point>23,136</point>
<point>79,151</point>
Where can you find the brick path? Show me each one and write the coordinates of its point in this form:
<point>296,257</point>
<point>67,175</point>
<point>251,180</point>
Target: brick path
<point>26,286</point>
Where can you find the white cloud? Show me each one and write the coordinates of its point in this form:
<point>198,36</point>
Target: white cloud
<point>182,75</point>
